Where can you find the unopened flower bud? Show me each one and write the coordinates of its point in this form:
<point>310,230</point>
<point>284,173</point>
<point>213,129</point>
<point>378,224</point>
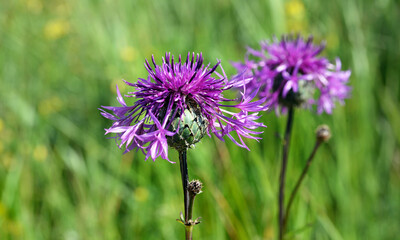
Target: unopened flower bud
<point>195,187</point>
<point>190,129</point>
<point>323,133</point>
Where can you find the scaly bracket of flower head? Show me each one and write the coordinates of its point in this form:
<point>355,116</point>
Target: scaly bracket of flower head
<point>178,103</point>
<point>189,128</point>
<point>291,73</point>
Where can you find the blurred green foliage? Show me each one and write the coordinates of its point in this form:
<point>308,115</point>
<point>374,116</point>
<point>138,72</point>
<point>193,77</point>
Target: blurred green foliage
<point>60,178</point>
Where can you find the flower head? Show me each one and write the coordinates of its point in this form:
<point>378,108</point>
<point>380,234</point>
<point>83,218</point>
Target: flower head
<point>177,104</point>
<point>290,73</point>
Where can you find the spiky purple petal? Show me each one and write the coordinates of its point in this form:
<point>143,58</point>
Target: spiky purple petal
<point>167,92</point>
<point>281,67</point>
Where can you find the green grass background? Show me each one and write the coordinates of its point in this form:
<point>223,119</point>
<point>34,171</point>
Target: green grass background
<point>60,178</point>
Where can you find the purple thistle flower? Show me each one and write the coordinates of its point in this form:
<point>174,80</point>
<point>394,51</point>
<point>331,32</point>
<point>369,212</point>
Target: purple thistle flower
<point>177,104</point>
<point>290,73</point>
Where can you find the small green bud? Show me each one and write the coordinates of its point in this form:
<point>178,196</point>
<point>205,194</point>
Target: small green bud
<point>323,133</point>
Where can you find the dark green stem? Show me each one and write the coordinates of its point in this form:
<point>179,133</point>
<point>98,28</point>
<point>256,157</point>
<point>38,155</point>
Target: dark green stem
<point>188,196</point>
<point>286,143</point>
<point>188,232</point>
<point>185,181</point>
<point>189,225</point>
<point>191,203</point>
<point>299,181</point>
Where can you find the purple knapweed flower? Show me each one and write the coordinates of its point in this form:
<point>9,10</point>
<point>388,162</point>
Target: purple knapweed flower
<point>290,73</point>
<point>177,104</point>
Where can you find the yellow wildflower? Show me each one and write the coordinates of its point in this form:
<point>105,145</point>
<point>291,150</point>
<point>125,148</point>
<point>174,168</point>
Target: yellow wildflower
<point>127,54</point>
<point>294,9</point>
<point>141,194</point>
<point>3,211</point>
<point>50,105</point>
<point>295,13</point>
<point>40,153</point>
<point>7,160</point>
<point>1,125</point>
<point>14,228</point>
<point>120,83</point>
<point>332,40</point>
<point>56,29</point>
<point>34,6</point>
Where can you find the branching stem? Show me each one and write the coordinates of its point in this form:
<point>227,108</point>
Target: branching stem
<point>185,181</point>
<point>188,196</point>
<point>299,181</point>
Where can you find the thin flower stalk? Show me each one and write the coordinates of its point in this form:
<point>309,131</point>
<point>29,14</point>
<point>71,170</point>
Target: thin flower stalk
<point>291,73</point>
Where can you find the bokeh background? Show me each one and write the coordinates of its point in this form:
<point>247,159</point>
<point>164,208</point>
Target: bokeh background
<point>60,178</point>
